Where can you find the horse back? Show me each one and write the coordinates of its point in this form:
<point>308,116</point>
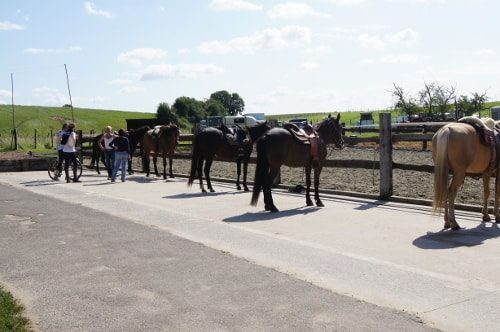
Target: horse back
<point>283,149</point>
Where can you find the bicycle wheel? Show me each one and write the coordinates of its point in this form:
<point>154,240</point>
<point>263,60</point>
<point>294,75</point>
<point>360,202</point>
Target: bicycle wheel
<point>79,169</point>
<point>54,173</point>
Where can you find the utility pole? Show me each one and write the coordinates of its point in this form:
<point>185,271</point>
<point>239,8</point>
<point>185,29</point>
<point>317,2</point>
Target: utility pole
<point>14,132</point>
<point>69,91</point>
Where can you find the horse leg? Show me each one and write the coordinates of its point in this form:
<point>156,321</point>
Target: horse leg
<point>317,172</point>
<point>199,169</point>
<point>245,172</point>
<point>266,189</point>
<point>496,198</point>
<point>155,159</point>
<point>458,180</point>
<point>164,167</point>
<point>97,164</point>
<point>170,159</point>
<point>238,172</point>
<point>208,164</point>
<point>486,195</point>
<point>308,185</point>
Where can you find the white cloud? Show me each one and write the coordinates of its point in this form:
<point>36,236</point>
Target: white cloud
<point>309,65</point>
<point>408,36</point>
<point>50,96</point>
<point>485,52</point>
<point>32,50</point>
<point>293,10</point>
<point>166,71</point>
<point>343,3</point>
<point>7,26</point>
<point>274,39</point>
<point>136,56</point>
<point>418,1</point>
<point>131,89</point>
<point>404,59</point>
<point>368,62</point>
<point>5,93</point>
<point>91,10</point>
<point>239,5</point>
<point>374,42</point>
<point>318,49</point>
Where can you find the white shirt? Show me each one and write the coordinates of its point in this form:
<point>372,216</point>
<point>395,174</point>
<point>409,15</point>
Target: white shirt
<point>71,143</point>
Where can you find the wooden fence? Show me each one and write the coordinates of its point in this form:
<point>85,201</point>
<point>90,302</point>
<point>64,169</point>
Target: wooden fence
<point>388,135</point>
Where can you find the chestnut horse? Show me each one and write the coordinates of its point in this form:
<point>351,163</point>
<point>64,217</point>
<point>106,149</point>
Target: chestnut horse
<point>164,143</point>
<point>457,147</point>
<point>278,147</point>
<point>211,142</point>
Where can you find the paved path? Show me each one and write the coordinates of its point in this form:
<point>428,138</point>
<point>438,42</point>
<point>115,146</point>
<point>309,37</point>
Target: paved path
<point>392,255</point>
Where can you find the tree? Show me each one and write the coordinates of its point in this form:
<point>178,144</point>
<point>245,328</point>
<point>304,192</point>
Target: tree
<point>477,102</point>
<point>164,112</point>
<point>404,104</point>
<point>214,108</point>
<point>233,103</point>
<point>435,99</point>
<point>189,108</point>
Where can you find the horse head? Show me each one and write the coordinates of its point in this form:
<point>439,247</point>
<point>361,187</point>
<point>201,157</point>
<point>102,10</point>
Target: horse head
<point>257,131</point>
<point>330,130</point>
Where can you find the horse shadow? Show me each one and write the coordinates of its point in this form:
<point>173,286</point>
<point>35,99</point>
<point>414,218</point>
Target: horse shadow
<point>42,183</point>
<point>200,194</point>
<point>465,237</point>
<point>267,216</point>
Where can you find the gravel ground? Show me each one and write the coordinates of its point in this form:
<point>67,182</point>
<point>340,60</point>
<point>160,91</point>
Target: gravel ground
<point>406,183</point>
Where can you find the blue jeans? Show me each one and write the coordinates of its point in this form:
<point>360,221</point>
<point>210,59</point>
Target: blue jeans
<point>120,161</point>
<point>109,159</point>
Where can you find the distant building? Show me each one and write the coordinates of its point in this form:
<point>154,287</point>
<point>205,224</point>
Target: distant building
<point>495,113</point>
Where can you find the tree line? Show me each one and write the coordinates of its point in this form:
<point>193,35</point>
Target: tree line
<point>187,109</point>
<point>438,102</point>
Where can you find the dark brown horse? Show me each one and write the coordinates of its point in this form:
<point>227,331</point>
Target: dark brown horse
<point>279,147</point>
<point>211,142</point>
<point>161,142</point>
<point>134,137</point>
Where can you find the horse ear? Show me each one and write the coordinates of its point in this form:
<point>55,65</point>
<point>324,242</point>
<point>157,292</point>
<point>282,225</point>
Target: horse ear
<point>338,117</point>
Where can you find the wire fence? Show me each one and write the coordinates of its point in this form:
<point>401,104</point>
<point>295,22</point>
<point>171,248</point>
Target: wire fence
<point>27,139</point>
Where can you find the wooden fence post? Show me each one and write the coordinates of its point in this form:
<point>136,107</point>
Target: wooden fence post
<point>79,140</point>
<point>35,138</point>
<point>385,145</point>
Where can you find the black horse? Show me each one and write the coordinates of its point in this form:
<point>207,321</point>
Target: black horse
<point>134,137</point>
<point>211,142</point>
<point>279,147</point>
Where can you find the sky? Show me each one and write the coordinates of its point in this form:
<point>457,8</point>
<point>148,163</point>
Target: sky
<point>279,56</point>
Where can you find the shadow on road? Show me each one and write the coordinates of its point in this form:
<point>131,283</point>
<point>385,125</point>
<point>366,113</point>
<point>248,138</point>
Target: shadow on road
<point>207,194</point>
<point>266,216</point>
<point>448,239</point>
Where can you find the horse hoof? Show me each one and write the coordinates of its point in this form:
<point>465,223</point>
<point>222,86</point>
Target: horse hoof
<point>455,228</point>
<point>309,203</point>
<point>212,191</point>
<point>486,218</point>
<point>238,187</point>
<point>203,191</point>
<point>246,189</point>
<point>319,204</point>
<point>274,209</point>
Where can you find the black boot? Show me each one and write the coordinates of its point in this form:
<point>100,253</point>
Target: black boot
<point>67,176</point>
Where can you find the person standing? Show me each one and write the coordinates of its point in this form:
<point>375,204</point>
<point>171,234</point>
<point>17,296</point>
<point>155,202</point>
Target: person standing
<point>59,146</point>
<point>69,152</point>
<point>109,152</point>
<point>122,153</point>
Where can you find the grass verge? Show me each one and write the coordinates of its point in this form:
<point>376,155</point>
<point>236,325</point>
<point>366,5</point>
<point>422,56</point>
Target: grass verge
<point>11,314</point>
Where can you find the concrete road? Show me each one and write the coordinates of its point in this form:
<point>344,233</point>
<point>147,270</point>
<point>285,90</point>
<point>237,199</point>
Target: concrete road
<point>115,267</point>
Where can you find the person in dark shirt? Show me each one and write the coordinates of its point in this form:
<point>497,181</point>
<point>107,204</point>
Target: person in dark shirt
<point>122,153</point>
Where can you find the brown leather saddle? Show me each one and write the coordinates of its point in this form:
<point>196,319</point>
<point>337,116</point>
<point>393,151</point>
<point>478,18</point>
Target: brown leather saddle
<point>306,135</point>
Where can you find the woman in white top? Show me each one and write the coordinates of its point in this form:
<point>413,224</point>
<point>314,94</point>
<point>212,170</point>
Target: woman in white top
<point>69,152</point>
<point>109,152</point>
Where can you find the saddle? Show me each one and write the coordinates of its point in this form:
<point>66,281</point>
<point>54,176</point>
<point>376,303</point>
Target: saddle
<point>234,136</point>
<point>307,136</point>
<point>488,136</point>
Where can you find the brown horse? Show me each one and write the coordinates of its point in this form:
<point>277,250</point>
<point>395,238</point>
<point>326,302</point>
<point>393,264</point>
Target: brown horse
<point>457,147</point>
<point>163,142</point>
<point>278,147</point>
<point>211,142</point>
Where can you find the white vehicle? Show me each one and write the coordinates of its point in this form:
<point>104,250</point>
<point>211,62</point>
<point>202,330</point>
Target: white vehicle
<point>239,120</point>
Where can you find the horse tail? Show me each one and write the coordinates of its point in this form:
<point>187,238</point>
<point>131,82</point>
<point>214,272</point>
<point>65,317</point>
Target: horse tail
<point>261,170</point>
<point>194,159</point>
<point>441,170</point>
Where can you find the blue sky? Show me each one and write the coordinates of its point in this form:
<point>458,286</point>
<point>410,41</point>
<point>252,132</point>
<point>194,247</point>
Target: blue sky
<point>281,57</point>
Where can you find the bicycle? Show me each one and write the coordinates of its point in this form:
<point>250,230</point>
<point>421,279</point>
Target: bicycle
<point>55,174</point>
